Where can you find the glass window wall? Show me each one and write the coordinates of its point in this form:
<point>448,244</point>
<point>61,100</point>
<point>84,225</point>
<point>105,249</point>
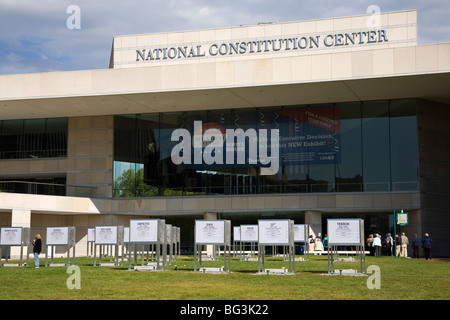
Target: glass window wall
<point>33,138</point>
<point>342,147</point>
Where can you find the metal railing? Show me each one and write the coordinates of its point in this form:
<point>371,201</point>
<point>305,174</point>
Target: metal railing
<point>269,189</point>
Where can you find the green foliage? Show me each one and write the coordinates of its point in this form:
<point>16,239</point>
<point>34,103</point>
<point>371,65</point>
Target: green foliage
<point>131,184</point>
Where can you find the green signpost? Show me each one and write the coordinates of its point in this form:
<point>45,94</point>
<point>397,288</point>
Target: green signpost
<point>401,219</point>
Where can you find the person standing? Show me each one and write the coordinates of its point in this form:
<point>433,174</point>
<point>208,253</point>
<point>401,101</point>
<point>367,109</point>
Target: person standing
<point>398,245</point>
<point>311,243</point>
<point>325,242</point>
<point>416,246</point>
<point>37,247</point>
<point>377,245</point>
<point>318,245</point>
<point>426,244</point>
<point>388,243</point>
<point>369,244</point>
<point>405,243</point>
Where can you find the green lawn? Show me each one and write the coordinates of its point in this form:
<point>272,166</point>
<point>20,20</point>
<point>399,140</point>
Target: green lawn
<point>401,279</point>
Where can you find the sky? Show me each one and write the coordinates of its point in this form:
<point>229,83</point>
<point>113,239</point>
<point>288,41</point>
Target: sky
<point>35,37</point>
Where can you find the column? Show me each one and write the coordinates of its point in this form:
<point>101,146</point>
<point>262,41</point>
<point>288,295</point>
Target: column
<point>314,220</point>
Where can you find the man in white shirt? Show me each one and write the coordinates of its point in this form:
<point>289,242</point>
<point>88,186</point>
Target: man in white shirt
<point>377,245</point>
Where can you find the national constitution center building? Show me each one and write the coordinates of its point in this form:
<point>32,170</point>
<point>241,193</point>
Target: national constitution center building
<point>359,111</point>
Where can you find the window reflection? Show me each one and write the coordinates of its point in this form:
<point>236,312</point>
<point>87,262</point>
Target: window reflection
<point>342,147</point>
<point>33,138</point>
<point>375,146</point>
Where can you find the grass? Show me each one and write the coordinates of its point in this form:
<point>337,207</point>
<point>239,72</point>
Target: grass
<point>401,279</point>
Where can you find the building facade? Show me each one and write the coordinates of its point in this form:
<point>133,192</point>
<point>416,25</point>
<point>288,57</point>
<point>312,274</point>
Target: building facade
<point>359,108</point>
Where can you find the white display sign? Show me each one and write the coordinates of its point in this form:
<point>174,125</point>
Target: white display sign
<point>91,234</point>
<point>299,233</point>
<point>57,236</point>
<point>273,232</point>
<point>237,233</point>
<point>344,231</point>
<point>11,236</point>
<point>106,235</point>
<point>210,231</point>
<point>126,235</point>
<point>249,233</point>
<point>144,231</point>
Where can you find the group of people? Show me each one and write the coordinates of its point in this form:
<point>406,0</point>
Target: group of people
<point>317,243</point>
<point>374,244</point>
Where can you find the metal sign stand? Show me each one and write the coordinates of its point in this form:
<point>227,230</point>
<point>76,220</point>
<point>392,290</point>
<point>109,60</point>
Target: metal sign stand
<point>176,242</point>
<point>332,251</point>
<point>252,254</point>
<point>23,242</point>
<point>226,250</point>
<point>90,243</point>
<point>160,245</point>
<point>237,248</point>
<point>70,245</point>
<point>290,252</point>
<point>118,241</point>
<point>169,242</point>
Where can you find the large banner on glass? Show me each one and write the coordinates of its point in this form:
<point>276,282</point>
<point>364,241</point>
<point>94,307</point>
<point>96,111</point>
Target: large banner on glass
<point>309,135</point>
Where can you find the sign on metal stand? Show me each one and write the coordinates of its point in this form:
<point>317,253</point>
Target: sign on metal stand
<point>90,241</point>
<point>12,237</point>
<point>148,232</point>
<point>212,232</point>
<point>249,237</point>
<point>178,242</point>
<point>237,249</point>
<point>60,236</point>
<point>108,236</point>
<point>169,242</point>
<point>345,232</point>
<point>278,232</point>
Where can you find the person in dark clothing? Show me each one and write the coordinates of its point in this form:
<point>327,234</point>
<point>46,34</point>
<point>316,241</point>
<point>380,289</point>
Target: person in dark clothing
<point>426,244</point>
<point>398,245</point>
<point>37,247</point>
<point>388,242</point>
<point>416,246</point>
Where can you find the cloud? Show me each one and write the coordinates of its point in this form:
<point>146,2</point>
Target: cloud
<point>38,40</point>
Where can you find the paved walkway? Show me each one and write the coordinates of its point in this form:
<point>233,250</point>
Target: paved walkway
<point>438,259</point>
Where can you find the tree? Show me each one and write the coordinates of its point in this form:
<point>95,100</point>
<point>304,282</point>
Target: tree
<point>131,184</point>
